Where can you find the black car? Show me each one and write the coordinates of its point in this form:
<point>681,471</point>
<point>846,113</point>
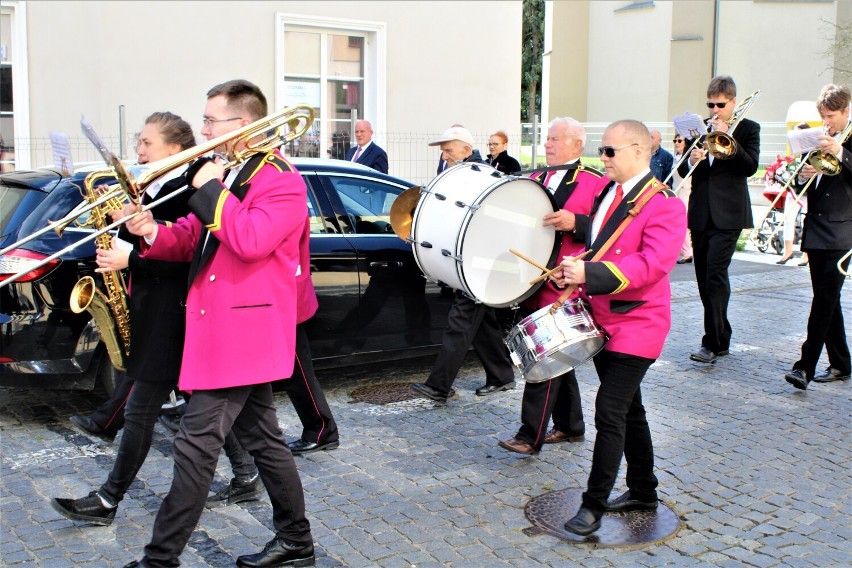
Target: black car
<point>374,303</point>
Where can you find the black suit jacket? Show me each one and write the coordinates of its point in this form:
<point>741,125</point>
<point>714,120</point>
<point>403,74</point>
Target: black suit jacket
<point>157,299</point>
<point>373,157</point>
<point>828,223</point>
<point>720,191</point>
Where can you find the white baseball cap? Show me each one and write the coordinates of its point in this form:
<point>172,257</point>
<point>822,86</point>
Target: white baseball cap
<point>455,133</point>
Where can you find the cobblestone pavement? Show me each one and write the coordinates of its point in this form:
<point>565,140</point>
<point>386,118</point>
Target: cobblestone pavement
<point>757,471</point>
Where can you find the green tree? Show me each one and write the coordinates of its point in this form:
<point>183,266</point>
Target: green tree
<point>531,60</point>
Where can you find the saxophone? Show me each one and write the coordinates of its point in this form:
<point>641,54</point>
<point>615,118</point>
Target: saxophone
<point>108,310</point>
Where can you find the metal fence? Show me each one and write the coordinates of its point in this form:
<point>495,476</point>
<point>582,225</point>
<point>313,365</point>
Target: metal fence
<point>410,156</point>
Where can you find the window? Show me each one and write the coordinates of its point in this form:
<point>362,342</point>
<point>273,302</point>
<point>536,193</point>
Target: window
<point>14,113</point>
<point>367,203</point>
<point>332,66</point>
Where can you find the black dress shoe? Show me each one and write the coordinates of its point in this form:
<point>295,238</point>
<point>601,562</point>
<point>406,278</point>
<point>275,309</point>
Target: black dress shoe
<point>625,502</point>
<point>137,564</point>
<point>830,375</point>
<point>170,421</point>
<point>432,393</point>
<point>302,447</point>
<point>89,509</point>
<point>798,379</point>
<point>89,426</point>
<point>585,522</point>
<point>686,260</point>
<point>783,260</point>
<point>722,353</point>
<point>279,552</point>
<point>703,355</point>
<point>803,263</point>
<point>237,491</point>
<point>491,389</point>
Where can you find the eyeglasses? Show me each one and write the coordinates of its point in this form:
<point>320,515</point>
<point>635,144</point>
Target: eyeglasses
<point>717,105</point>
<point>677,140</point>
<point>610,150</point>
<point>211,121</point>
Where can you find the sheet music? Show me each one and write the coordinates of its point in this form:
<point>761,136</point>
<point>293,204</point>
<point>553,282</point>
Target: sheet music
<point>802,141</point>
<point>61,152</point>
<point>689,125</point>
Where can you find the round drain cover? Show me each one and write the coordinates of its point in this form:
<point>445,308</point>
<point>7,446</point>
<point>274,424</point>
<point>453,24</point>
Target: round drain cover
<point>384,393</point>
<point>549,513</point>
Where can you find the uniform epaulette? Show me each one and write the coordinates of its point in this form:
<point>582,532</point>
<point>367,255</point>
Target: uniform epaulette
<point>590,170</point>
<point>274,159</point>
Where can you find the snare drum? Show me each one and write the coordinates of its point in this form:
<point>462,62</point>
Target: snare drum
<point>466,221</point>
<point>545,345</point>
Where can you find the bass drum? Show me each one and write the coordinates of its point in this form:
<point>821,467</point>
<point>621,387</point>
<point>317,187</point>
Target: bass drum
<point>466,221</point>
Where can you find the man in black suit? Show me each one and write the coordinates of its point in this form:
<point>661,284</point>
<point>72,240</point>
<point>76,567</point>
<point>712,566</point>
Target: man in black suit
<point>367,152</point>
<point>719,209</point>
<point>827,237</point>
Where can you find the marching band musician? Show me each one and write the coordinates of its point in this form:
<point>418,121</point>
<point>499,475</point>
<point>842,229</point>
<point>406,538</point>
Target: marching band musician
<point>468,322</point>
<point>826,237</point>
<point>719,209</point>
<point>574,189</point>
<point>156,325</point>
<point>243,239</point>
<point>630,297</point>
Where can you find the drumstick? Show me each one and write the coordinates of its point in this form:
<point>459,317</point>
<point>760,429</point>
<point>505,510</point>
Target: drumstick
<point>528,259</point>
<point>549,273</point>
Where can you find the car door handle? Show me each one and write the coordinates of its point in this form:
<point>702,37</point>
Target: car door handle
<point>386,264</point>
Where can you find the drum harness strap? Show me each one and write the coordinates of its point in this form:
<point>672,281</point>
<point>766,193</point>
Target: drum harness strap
<point>656,188</point>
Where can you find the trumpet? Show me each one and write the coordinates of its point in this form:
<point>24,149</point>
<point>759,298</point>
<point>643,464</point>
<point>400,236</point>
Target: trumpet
<point>824,163</point>
<point>239,145</point>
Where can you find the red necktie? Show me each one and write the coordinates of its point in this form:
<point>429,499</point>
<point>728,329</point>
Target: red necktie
<point>619,195</point>
<point>547,178</point>
<point>357,153</point>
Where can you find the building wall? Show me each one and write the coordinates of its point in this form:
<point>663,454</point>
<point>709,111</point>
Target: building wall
<point>629,67</point>
<point>444,62</point>
<point>654,60</point>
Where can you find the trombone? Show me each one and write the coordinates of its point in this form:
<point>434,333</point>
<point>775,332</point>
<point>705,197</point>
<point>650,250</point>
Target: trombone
<point>721,145</point>
<point>840,262</point>
<point>278,129</point>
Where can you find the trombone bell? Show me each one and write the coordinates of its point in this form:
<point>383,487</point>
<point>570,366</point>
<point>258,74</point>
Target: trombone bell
<point>720,145</point>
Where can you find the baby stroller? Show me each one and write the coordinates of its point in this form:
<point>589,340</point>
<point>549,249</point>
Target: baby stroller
<point>771,232</point>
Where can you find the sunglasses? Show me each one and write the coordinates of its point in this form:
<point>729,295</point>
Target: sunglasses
<point>677,140</point>
<point>609,151</point>
<point>717,105</point>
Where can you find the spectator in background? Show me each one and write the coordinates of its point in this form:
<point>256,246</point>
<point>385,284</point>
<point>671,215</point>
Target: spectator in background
<point>498,156</point>
<point>792,207</point>
<point>682,189</point>
<point>367,152</point>
<point>339,145</point>
<point>661,160</point>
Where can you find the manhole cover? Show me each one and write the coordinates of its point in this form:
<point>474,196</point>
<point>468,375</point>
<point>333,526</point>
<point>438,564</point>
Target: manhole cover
<point>549,512</point>
<point>384,393</point>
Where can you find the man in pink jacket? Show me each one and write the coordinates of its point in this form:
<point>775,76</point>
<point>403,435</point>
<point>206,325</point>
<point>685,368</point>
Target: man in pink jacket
<point>243,240</point>
<point>573,185</point>
<point>628,289</point>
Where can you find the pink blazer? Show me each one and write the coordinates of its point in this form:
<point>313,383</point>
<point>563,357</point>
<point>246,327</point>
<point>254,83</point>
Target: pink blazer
<point>242,303</point>
<point>588,184</point>
<point>628,289</point>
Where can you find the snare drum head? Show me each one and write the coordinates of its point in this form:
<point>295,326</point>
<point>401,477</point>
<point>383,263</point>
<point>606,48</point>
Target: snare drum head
<point>509,215</point>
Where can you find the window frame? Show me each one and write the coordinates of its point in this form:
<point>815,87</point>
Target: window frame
<point>375,67</point>
<point>17,9</point>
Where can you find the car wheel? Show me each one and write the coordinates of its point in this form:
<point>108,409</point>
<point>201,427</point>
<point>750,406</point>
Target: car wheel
<point>106,378</point>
